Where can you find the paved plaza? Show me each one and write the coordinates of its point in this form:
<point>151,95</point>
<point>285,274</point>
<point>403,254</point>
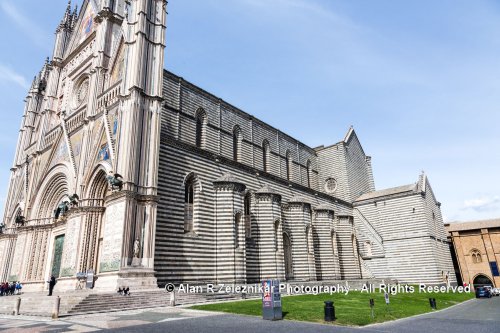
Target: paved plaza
<point>473,316</point>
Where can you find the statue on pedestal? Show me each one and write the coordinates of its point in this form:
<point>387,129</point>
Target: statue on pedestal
<point>62,209</point>
<point>137,248</point>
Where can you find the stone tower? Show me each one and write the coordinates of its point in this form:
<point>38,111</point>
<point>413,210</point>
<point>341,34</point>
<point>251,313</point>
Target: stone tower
<point>83,189</point>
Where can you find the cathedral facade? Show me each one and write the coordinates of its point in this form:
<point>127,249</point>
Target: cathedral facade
<point>128,171</point>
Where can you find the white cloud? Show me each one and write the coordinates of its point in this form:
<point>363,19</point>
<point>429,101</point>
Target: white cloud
<point>485,203</point>
<point>25,24</point>
<point>8,75</point>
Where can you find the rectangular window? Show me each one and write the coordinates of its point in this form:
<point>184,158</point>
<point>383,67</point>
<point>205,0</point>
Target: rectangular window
<point>494,268</point>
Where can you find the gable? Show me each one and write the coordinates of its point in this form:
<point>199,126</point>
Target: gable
<point>76,141</point>
<point>100,150</point>
<point>85,25</point>
<point>118,65</point>
<point>60,153</point>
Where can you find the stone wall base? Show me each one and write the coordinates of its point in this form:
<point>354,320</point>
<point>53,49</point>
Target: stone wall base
<point>134,278</point>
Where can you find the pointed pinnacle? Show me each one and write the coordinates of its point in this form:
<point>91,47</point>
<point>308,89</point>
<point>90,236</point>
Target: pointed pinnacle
<point>67,14</point>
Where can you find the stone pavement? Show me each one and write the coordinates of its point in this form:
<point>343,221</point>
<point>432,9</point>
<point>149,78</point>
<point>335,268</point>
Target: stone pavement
<point>478,316</point>
<point>97,322</point>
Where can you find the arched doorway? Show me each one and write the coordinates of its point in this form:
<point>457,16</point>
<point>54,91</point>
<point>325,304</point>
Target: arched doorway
<point>93,224</point>
<point>482,280</point>
<point>287,249</point>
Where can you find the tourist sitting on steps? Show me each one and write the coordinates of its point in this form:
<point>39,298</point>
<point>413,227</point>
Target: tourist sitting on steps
<point>126,292</point>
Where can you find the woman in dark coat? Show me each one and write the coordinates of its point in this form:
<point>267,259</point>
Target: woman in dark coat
<point>51,283</point>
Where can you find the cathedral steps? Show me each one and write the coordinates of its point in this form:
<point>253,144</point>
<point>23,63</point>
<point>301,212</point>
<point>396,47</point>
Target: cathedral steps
<point>39,304</point>
<point>85,302</point>
<point>97,303</point>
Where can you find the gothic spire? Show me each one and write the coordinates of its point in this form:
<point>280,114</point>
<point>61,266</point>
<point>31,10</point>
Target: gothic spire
<point>67,18</point>
<point>33,83</point>
<point>74,16</point>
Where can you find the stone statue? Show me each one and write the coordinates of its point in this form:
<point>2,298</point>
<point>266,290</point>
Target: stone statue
<point>137,248</point>
<point>20,220</point>
<point>73,200</point>
<point>115,181</point>
<point>62,209</point>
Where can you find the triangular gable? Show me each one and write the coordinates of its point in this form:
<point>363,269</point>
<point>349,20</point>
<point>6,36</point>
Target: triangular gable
<point>113,121</point>
<point>60,153</point>
<point>101,148</point>
<point>85,25</point>
<point>118,65</point>
<point>76,142</point>
<point>103,153</point>
<point>116,42</point>
<point>350,136</point>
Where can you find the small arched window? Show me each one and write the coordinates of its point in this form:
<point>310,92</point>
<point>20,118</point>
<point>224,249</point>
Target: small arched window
<point>201,119</point>
<point>248,213</point>
<point>308,231</point>
<point>237,223</point>
<point>189,200</point>
<point>309,171</point>
<point>276,234</point>
<point>266,151</point>
<point>236,144</point>
<point>368,248</point>
<point>476,256</point>
<point>288,166</point>
<point>334,245</point>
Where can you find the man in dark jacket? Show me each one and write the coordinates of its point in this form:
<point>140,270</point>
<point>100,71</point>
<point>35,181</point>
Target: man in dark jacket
<point>51,283</point>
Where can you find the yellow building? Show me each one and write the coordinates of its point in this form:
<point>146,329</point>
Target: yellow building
<point>476,250</point>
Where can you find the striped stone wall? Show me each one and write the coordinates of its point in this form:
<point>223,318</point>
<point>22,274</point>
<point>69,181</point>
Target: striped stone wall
<point>191,257</point>
<point>184,101</point>
<point>407,236</point>
<point>347,163</point>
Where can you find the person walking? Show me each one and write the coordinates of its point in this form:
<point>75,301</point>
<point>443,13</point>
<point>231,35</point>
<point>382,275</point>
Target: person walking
<point>52,283</point>
<point>19,286</point>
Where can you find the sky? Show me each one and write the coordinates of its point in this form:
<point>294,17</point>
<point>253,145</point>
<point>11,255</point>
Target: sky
<point>418,80</point>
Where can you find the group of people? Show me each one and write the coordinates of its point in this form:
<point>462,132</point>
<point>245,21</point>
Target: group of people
<point>13,288</point>
<point>124,291</point>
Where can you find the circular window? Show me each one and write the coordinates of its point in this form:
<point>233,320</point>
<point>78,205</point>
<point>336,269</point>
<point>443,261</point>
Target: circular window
<point>330,185</point>
<point>81,92</point>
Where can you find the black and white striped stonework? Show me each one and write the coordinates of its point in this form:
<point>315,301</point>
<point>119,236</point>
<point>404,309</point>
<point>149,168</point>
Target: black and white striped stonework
<point>329,239</point>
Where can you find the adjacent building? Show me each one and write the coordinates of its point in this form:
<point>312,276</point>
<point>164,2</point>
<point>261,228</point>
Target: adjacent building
<point>476,248</point>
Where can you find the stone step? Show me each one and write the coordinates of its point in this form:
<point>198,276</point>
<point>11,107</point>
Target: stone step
<point>74,303</point>
<point>114,302</point>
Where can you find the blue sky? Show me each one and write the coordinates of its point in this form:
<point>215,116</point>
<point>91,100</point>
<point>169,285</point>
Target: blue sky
<point>418,80</point>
